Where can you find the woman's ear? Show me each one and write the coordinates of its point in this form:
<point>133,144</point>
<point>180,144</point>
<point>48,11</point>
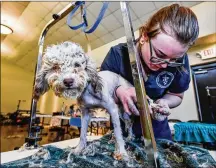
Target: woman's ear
<point>144,38</point>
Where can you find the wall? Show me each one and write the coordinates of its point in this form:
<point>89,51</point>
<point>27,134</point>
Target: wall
<point>16,84</point>
<point>189,97</point>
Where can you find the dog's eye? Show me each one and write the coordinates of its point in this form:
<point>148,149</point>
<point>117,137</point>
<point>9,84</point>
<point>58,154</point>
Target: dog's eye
<point>56,67</point>
<point>77,65</point>
<point>83,62</point>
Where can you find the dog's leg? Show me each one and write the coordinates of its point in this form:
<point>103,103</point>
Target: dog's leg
<point>84,128</point>
<point>129,124</point>
<point>128,120</point>
<point>83,135</point>
<point>113,111</point>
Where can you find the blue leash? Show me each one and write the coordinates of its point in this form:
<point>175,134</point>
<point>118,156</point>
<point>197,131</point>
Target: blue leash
<point>84,24</point>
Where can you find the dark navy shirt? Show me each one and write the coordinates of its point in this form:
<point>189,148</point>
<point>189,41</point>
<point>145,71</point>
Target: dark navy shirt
<point>159,82</point>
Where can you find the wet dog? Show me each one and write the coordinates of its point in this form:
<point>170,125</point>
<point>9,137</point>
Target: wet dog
<point>70,73</point>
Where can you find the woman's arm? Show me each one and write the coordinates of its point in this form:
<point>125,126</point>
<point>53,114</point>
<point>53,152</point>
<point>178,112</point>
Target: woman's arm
<point>172,99</point>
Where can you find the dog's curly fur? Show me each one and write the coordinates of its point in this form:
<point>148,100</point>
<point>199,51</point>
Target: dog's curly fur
<point>70,73</point>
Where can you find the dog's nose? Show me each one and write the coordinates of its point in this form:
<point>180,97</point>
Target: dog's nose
<point>68,82</point>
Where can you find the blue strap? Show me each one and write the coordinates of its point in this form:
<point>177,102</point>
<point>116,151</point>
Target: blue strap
<point>100,17</point>
<point>78,4</point>
<point>84,24</point>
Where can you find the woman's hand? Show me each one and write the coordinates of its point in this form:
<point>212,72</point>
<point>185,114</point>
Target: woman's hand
<point>160,109</point>
<point>127,96</point>
<point>164,107</point>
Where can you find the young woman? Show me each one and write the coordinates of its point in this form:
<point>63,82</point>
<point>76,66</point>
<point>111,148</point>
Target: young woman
<point>162,46</point>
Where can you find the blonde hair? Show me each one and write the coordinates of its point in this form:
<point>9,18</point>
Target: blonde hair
<point>181,20</point>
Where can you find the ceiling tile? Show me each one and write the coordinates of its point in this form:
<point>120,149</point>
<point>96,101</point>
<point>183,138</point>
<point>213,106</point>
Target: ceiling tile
<point>57,8</point>
<point>107,38</point>
<point>113,6</point>
<point>87,3</point>
<point>74,22</point>
<point>48,17</point>
<point>175,2</point>
<point>97,43</point>
<point>23,3</point>
<point>91,37</point>
<point>118,33</point>
<point>160,4</point>
<point>42,24</point>
<point>38,9</point>
<point>80,38</point>
<point>106,22</point>
<point>91,19</point>
<point>22,27</point>
<point>190,3</point>
<point>52,30</point>
<point>23,48</point>
<point>59,24</point>
<point>95,8</point>
<point>64,4</point>
<point>56,37</point>
<point>31,17</point>
<point>34,35</point>
<point>65,30</point>
<point>100,31</point>
<point>84,47</point>
<point>13,7</point>
<point>141,8</point>
<point>136,24</point>
<point>145,18</point>
<point>118,15</point>
<point>49,5</point>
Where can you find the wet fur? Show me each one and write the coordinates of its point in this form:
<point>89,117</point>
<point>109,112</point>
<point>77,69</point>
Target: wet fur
<point>92,89</point>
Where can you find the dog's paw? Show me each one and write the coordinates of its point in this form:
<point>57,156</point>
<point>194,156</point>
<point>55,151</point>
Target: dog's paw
<point>78,150</point>
<point>121,156</point>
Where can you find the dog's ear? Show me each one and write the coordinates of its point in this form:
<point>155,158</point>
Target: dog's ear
<point>95,80</point>
<point>41,86</point>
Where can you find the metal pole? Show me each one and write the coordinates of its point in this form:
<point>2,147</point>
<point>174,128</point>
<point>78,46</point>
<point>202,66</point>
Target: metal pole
<point>56,17</point>
<point>138,78</point>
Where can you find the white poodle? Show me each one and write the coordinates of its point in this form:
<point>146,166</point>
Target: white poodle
<point>70,73</point>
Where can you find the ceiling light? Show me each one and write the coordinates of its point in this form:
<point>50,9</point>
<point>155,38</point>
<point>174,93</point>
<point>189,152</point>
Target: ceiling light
<point>5,29</point>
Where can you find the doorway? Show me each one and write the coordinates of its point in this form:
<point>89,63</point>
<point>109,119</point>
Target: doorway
<point>204,77</point>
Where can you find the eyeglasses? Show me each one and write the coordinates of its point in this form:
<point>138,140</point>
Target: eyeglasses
<point>157,60</point>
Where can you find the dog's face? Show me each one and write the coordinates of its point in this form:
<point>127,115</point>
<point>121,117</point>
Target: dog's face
<point>66,69</point>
